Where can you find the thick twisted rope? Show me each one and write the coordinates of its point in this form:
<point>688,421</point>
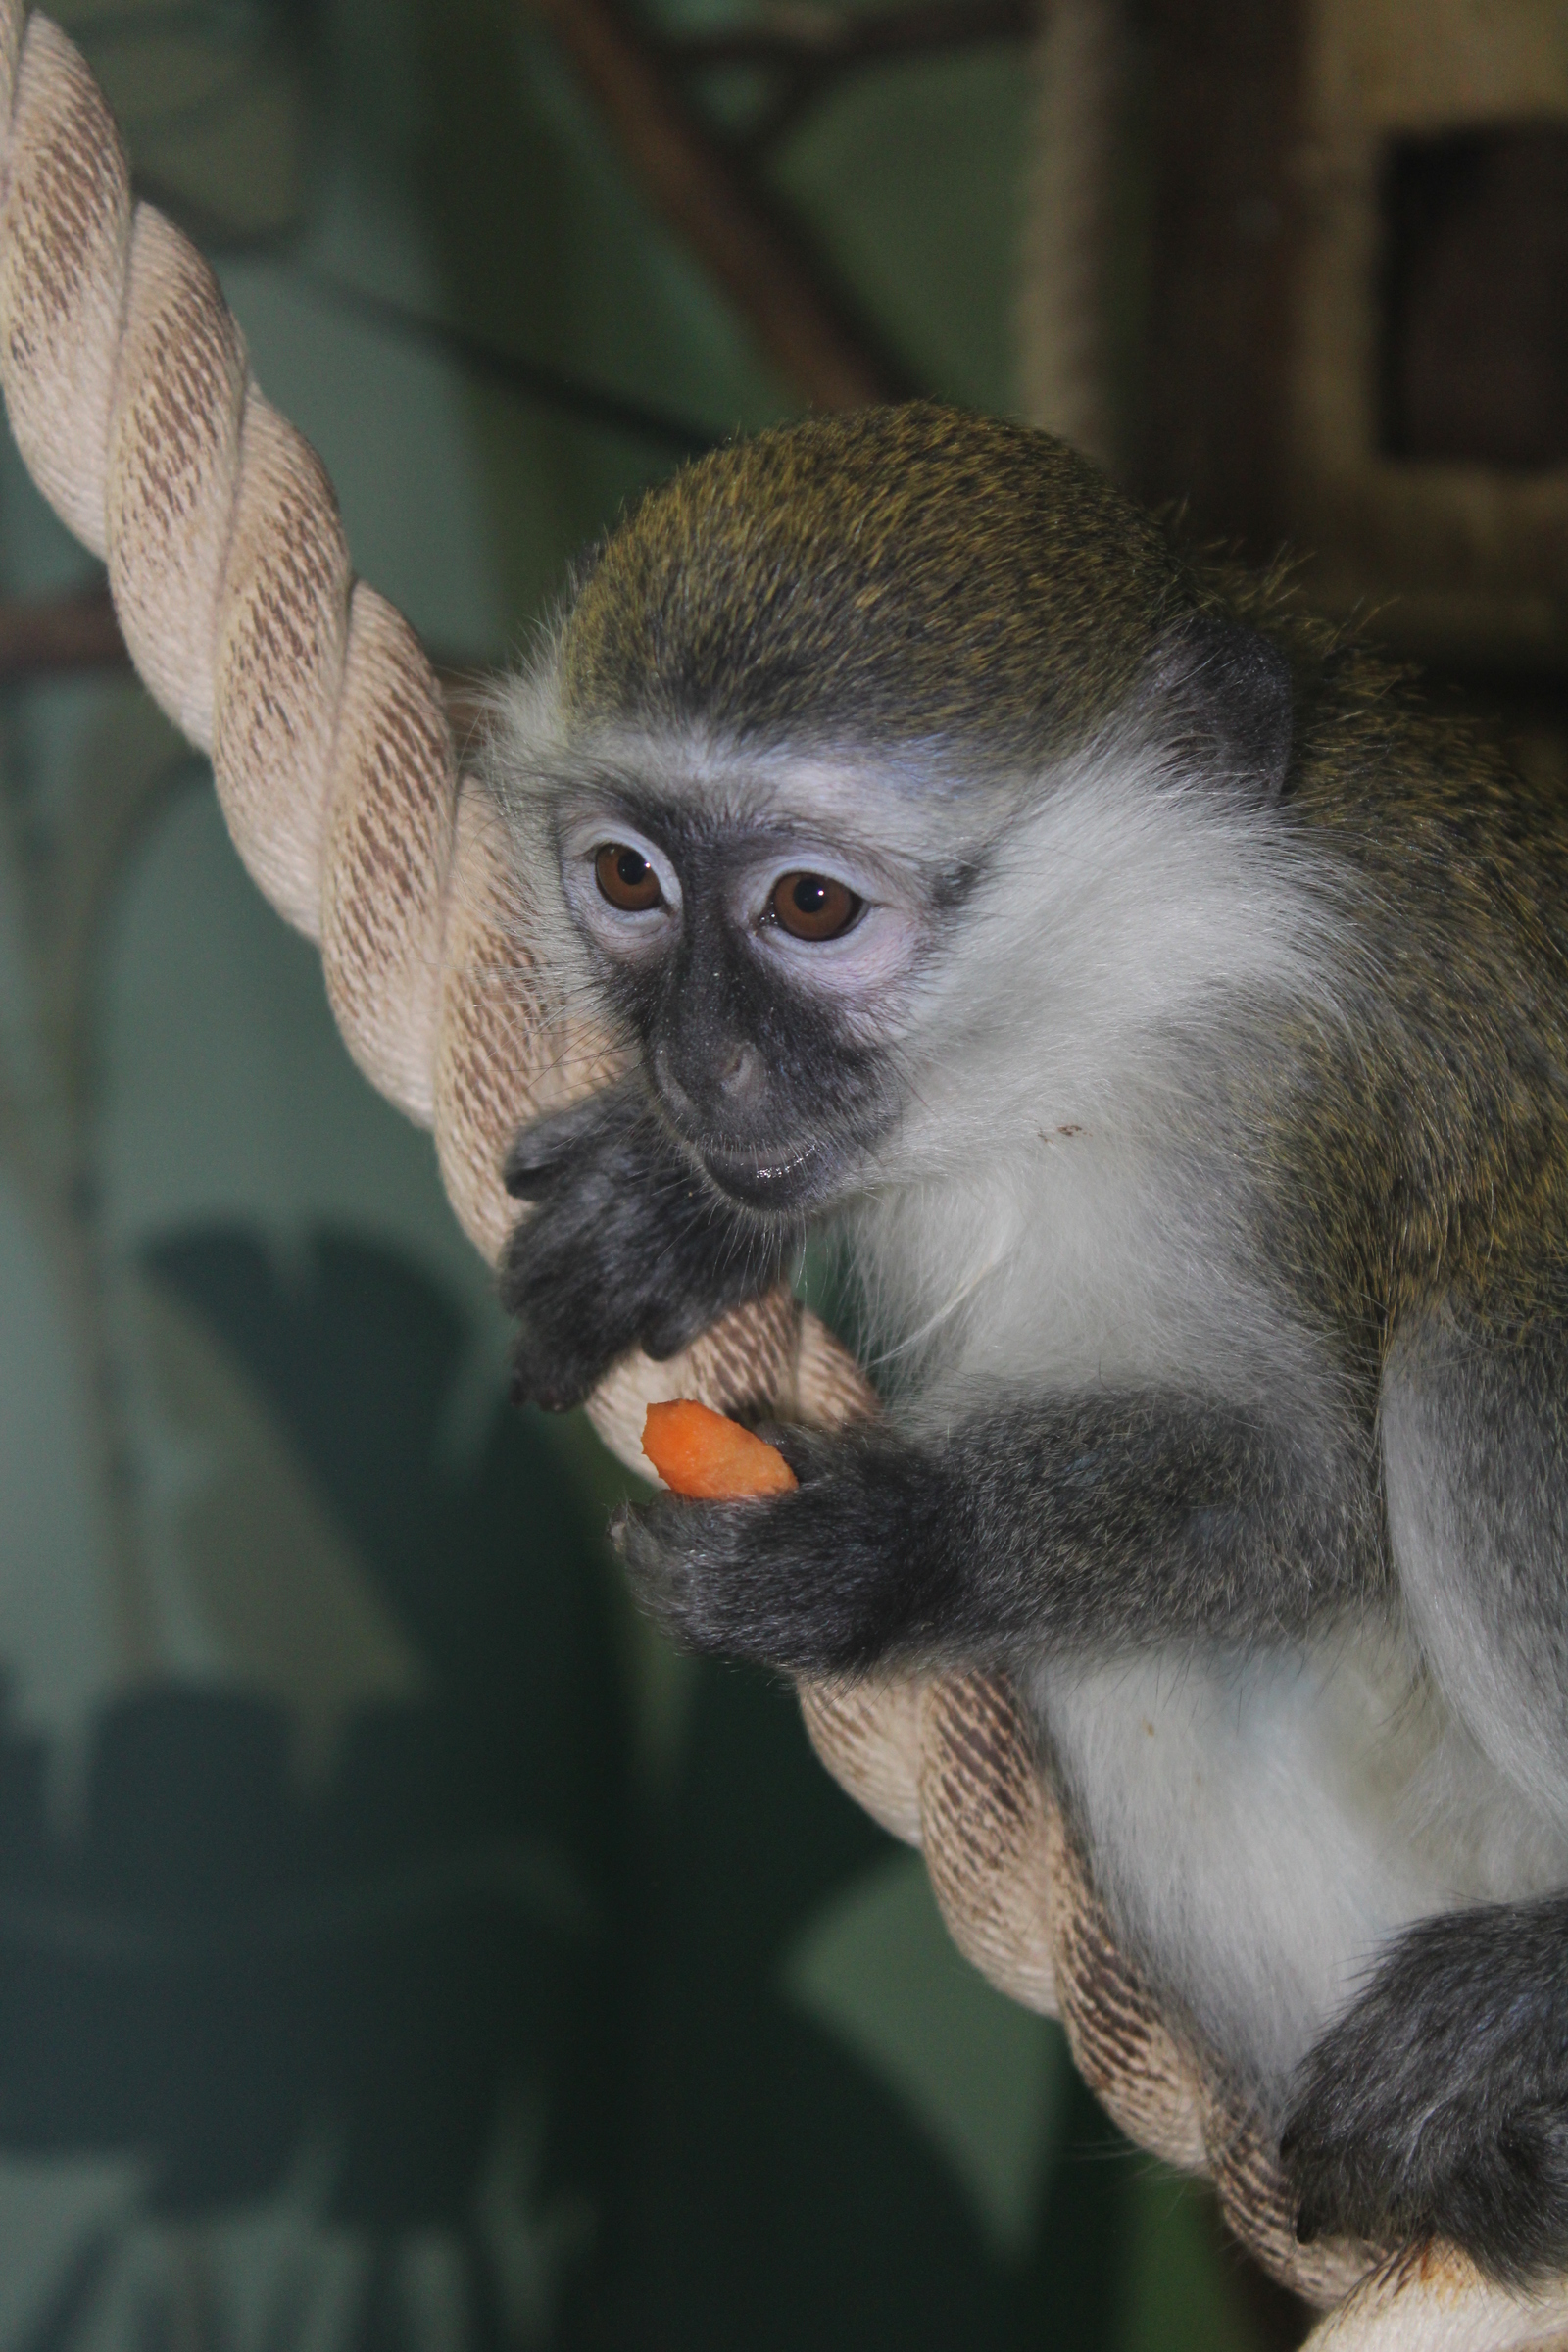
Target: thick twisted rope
<point>128,390</point>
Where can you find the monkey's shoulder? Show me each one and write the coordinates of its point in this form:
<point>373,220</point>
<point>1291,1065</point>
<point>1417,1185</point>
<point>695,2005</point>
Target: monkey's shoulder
<point>1418,1155</point>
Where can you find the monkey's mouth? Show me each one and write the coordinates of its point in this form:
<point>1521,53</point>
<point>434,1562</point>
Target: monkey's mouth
<point>767,1178</point>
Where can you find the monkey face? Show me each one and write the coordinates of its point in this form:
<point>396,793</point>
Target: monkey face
<point>760,971</point>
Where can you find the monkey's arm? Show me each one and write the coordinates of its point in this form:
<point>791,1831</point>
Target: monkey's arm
<point>1097,1523</point>
<point>1437,2105</point>
<point>628,1245</point>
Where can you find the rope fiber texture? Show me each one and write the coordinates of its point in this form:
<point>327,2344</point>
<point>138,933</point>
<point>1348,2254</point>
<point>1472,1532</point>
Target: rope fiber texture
<point>127,386</point>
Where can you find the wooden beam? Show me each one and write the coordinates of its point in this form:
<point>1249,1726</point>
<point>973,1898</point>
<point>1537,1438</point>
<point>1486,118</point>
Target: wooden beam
<point>696,188</point>
<point>1225,84</point>
<point>49,637</point>
<point>831,37</point>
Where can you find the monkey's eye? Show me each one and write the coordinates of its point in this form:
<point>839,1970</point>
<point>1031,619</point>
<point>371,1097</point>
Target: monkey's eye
<point>813,905</point>
<point>627,879</point>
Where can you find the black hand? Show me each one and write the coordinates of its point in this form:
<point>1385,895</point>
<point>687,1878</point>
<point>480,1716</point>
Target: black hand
<point>629,1246</point>
<point>1437,2106</point>
<point>827,1580</point>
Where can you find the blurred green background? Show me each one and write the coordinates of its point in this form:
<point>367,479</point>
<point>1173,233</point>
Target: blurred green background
<point>399,1948</point>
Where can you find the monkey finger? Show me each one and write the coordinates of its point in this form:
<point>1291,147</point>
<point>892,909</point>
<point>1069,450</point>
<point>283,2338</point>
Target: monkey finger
<point>669,1551</point>
<point>718,1577</point>
<point>782,1581</point>
<point>555,1387</point>
<point>549,1149</point>
<point>811,1454</point>
<point>544,1154</point>
<point>673,1325</point>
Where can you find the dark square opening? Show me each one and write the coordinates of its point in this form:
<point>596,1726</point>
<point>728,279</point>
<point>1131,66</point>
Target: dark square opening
<point>1475,297</point>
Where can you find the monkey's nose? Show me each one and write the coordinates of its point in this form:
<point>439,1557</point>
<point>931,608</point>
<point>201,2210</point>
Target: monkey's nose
<point>739,1074</point>
<point>711,1080</point>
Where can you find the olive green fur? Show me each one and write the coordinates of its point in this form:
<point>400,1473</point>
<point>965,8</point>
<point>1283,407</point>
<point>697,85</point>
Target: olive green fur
<point>892,575</point>
<point>1428,1146</point>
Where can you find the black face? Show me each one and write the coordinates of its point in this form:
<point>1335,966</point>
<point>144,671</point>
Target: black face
<point>748,968</point>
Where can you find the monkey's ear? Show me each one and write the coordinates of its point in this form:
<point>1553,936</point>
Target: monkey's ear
<point>1240,687</point>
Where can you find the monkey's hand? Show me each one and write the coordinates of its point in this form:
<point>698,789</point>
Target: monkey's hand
<point>827,1580</point>
<point>630,1245</point>
<point>1437,2106</point>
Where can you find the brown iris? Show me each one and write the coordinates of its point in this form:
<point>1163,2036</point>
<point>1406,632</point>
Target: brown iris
<point>813,905</point>
<point>627,879</point>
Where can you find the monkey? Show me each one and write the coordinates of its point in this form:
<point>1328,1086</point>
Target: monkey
<point>1165,1012</point>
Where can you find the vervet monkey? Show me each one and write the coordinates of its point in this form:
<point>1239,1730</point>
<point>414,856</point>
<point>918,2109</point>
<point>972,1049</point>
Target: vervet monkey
<point>1170,1016</point>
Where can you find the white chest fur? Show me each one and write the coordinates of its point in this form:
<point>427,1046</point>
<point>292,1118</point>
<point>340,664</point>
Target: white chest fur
<point>1260,1824</point>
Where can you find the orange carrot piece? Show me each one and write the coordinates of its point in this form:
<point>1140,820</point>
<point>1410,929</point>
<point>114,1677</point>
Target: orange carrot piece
<point>710,1459</point>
